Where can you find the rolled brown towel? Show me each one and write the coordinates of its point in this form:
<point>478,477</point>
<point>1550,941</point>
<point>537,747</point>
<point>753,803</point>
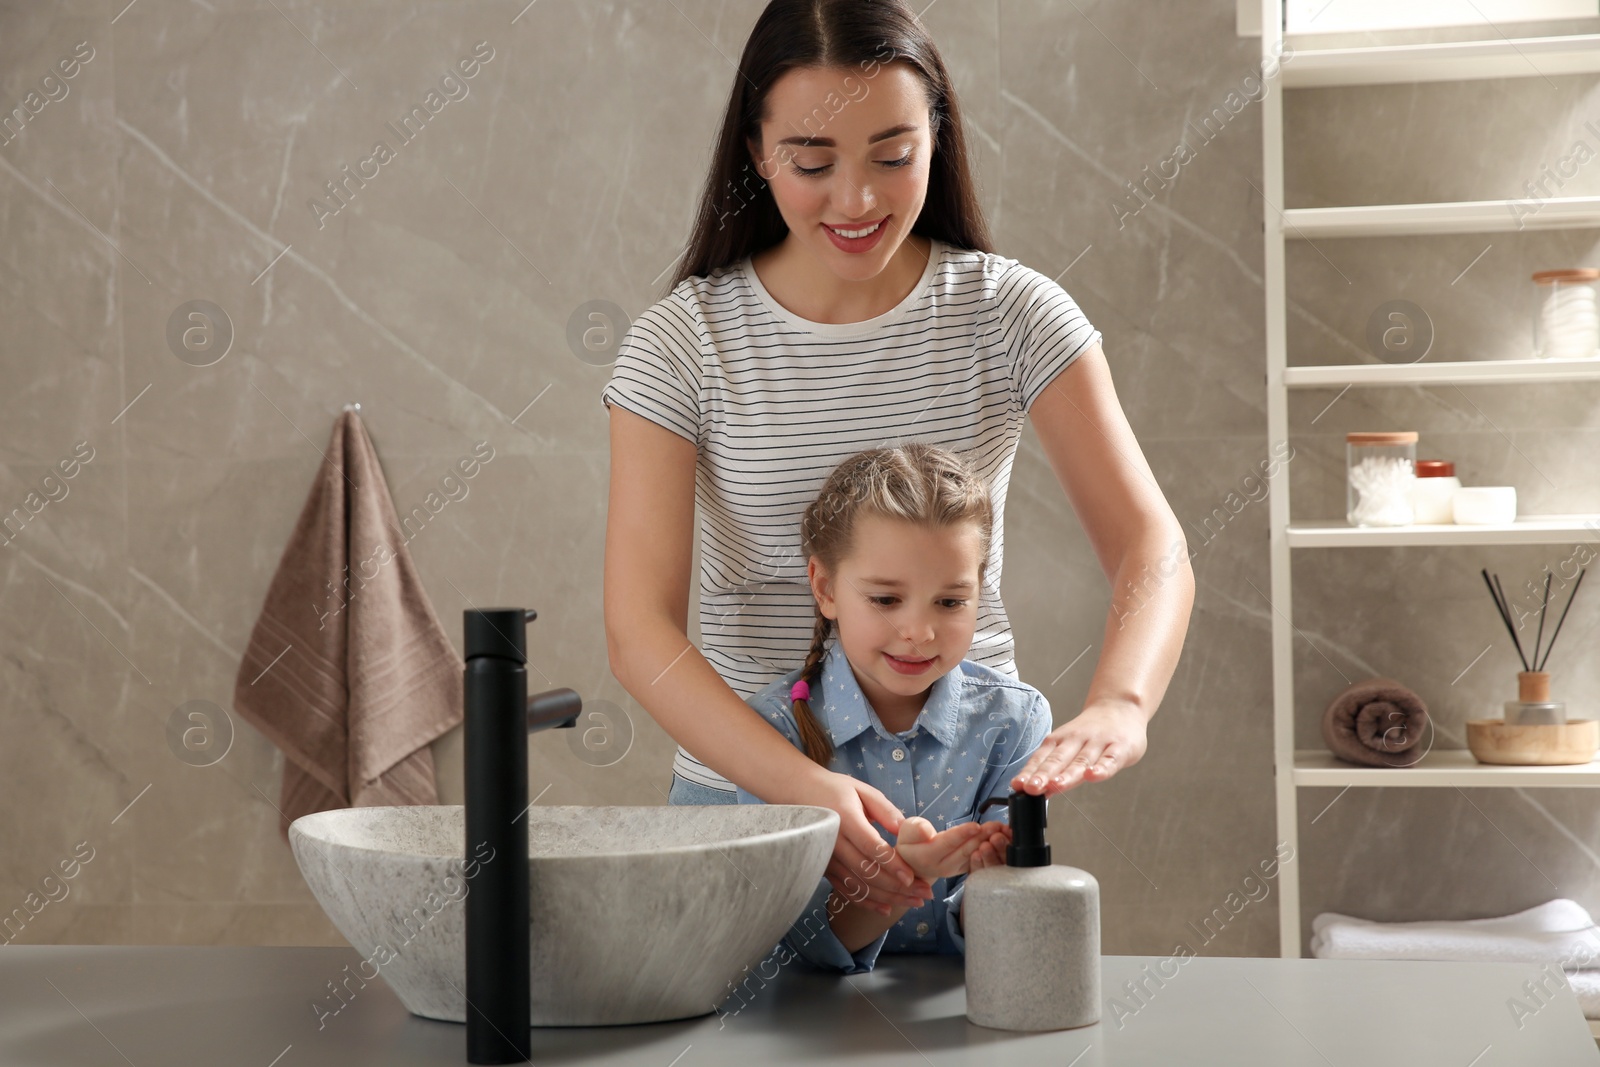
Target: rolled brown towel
<point>1377,723</point>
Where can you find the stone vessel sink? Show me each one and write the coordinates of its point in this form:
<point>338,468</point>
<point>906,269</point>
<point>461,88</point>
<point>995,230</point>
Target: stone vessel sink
<point>639,914</point>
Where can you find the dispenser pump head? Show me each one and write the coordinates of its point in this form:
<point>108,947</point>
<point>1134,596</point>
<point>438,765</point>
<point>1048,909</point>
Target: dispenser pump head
<point>1028,847</point>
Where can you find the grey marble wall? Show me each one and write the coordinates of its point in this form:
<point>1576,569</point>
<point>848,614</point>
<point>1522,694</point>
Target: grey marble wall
<point>182,164</point>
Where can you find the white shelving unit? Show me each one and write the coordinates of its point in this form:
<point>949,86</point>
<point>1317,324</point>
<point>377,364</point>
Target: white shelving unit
<point>1500,58</point>
<point>1470,372</point>
<point>1457,216</point>
<point>1539,530</point>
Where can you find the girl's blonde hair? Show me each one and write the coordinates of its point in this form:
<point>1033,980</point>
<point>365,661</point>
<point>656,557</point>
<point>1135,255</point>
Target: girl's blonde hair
<point>916,482</point>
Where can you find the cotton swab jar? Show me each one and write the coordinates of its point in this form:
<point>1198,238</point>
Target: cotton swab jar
<point>1566,321</point>
<point>1380,470</point>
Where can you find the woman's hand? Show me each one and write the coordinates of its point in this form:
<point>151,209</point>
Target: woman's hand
<point>865,869</point>
<point>945,853</point>
<point>1105,737</point>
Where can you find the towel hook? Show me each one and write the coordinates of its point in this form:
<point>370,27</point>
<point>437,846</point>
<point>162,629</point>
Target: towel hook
<point>356,407</point>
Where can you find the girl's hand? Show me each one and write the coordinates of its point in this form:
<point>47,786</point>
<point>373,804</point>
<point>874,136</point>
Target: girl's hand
<point>944,853</point>
<point>992,853</point>
<point>865,869</point>
<point>1106,736</point>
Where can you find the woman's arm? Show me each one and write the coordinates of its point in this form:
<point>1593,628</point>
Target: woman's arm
<point>648,551</point>
<point>1141,548</point>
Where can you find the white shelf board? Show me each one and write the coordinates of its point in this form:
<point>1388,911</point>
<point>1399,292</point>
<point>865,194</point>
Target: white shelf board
<point>1461,372</point>
<point>1501,57</point>
<point>1528,530</point>
<point>1445,217</point>
<point>1441,767</point>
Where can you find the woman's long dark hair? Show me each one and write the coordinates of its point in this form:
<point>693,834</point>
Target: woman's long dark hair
<point>738,216</point>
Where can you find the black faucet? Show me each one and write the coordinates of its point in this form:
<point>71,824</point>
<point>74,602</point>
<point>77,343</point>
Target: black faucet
<point>499,717</point>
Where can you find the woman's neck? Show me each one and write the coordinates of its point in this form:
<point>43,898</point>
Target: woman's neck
<point>808,289</point>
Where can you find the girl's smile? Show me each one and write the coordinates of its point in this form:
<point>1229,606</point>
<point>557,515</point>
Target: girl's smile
<point>909,666</point>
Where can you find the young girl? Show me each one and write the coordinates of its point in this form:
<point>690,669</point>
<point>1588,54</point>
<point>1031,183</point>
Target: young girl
<point>897,544</point>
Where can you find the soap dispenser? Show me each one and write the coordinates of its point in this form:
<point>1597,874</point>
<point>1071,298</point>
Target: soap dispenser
<point>1032,930</point>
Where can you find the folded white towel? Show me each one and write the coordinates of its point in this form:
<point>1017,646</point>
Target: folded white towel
<point>1558,931</point>
<point>1586,986</point>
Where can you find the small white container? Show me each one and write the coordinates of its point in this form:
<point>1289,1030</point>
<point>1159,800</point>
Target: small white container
<point>1566,315</point>
<point>1482,505</point>
<point>1432,492</point>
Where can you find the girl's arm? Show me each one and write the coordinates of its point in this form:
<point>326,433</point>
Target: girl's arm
<point>856,926</point>
<point>957,850</point>
<point>1141,548</point>
<point>648,550</point>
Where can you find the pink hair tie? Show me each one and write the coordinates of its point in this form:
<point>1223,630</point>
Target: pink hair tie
<point>800,691</point>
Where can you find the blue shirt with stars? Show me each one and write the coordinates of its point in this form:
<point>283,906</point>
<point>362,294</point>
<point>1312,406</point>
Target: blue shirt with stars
<point>976,731</point>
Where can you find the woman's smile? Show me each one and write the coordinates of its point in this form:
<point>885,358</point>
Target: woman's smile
<point>866,241</point>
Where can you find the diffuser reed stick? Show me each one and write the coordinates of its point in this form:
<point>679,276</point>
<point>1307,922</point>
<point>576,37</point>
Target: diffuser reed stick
<point>1505,617</point>
<point>1503,606</point>
<point>1542,608</point>
<point>1563,617</point>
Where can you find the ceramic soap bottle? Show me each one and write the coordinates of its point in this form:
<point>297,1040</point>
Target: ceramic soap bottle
<point>1032,930</point>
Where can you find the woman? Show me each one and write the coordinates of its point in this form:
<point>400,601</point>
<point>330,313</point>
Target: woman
<point>838,293</point>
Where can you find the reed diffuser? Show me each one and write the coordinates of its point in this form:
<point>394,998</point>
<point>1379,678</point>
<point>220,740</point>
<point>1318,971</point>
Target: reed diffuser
<point>1533,705</point>
<point>1534,729</point>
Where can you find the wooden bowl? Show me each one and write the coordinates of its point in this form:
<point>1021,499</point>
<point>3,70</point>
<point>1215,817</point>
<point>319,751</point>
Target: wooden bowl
<point>1540,744</point>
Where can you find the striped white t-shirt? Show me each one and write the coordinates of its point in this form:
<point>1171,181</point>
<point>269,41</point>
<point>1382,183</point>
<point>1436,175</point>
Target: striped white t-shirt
<point>774,403</point>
